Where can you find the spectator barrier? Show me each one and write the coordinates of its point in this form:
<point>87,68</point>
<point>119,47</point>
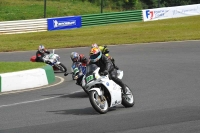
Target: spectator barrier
<point>23,26</point>
<point>38,25</point>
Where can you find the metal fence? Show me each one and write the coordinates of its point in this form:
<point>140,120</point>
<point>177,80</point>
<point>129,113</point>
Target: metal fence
<point>108,18</point>
<point>23,26</point>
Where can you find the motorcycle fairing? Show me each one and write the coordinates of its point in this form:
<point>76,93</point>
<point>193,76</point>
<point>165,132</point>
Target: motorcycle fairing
<point>114,90</point>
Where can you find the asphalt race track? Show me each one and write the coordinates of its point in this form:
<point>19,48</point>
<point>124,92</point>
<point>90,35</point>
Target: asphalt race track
<point>164,77</point>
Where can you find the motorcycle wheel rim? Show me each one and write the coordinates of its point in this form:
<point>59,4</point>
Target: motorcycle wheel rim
<point>61,68</point>
<point>128,96</point>
<point>103,105</point>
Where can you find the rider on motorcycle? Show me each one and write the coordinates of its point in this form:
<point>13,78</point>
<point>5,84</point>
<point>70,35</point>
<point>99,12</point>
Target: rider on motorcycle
<point>105,51</point>
<point>41,53</point>
<point>106,66</point>
<point>76,57</point>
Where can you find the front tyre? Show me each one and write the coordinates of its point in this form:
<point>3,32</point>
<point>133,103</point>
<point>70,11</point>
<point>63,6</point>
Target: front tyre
<point>128,99</point>
<point>85,90</point>
<point>62,68</point>
<point>98,103</point>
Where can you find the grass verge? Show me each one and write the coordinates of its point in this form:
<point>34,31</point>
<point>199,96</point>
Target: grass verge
<point>187,28</point>
<point>18,66</point>
<point>179,29</point>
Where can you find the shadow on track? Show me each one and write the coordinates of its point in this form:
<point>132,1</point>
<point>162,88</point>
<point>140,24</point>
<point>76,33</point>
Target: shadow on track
<point>81,94</point>
<point>84,111</point>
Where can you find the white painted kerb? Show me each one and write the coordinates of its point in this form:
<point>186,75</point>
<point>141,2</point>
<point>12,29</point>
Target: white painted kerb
<point>23,79</point>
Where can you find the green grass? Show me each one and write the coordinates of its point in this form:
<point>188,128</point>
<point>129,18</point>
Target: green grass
<point>187,28</point>
<point>34,9</point>
<point>18,66</point>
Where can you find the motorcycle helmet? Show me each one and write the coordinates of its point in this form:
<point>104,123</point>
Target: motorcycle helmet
<point>75,57</point>
<point>41,48</point>
<point>95,54</point>
<point>94,45</point>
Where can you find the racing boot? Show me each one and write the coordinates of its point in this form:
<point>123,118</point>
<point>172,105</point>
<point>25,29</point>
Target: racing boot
<point>120,83</point>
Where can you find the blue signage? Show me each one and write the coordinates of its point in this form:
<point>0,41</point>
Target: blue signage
<point>64,23</point>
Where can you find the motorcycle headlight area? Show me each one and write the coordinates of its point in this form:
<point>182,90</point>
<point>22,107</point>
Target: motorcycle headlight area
<point>57,58</point>
<point>54,60</point>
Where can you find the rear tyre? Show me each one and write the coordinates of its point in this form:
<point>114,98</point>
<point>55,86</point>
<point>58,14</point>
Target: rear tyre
<point>128,99</point>
<point>101,106</point>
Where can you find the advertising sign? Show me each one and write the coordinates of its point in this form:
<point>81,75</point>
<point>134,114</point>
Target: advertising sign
<point>154,14</point>
<point>64,23</point>
<point>171,12</point>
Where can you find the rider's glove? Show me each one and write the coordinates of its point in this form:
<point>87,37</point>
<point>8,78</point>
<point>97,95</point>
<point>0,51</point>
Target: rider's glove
<point>76,77</point>
<point>117,67</point>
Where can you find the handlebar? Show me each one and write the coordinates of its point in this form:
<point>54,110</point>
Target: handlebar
<point>65,74</point>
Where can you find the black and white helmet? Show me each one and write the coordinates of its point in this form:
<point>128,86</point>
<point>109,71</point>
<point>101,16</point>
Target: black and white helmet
<point>41,48</point>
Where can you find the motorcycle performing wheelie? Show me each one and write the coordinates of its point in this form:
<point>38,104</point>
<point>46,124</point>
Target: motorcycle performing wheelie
<point>103,92</point>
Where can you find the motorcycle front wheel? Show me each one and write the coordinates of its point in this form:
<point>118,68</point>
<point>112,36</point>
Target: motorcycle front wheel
<point>85,90</point>
<point>98,103</point>
<point>128,99</point>
<point>62,68</point>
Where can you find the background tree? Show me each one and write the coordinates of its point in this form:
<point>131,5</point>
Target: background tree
<point>122,5</point>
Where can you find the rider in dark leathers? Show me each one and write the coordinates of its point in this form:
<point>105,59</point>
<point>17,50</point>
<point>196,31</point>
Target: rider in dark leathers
<point>105,51</point>
<point>106,66</point>
<point>41,53</point>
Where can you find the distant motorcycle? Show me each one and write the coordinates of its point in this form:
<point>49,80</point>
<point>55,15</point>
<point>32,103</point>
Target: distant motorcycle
<point>53,60</point>
<point>103,92</point>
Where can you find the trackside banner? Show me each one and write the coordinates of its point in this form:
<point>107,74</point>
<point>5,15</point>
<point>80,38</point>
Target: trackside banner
<point>171,12</point>
<point>64,23</point>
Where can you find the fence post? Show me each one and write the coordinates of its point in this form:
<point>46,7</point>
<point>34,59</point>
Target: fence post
<point>101,6</point>
<point>45,5</point>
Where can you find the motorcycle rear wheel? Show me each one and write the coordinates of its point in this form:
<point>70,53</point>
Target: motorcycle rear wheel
<point>96,102</point>
<point>128,99</point>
